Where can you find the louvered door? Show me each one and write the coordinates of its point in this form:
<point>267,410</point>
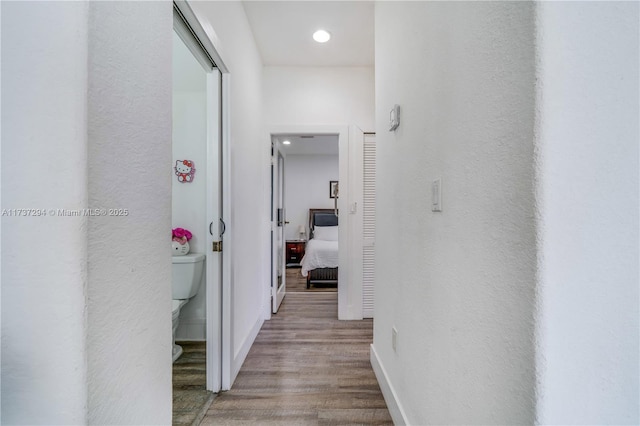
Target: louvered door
<point>369,224</point>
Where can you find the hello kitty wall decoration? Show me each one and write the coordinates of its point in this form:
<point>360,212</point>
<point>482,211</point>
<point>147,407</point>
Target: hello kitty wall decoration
<point>185,170</point>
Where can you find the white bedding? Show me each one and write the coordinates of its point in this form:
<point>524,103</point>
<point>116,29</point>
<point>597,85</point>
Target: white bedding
<point>319,254</point>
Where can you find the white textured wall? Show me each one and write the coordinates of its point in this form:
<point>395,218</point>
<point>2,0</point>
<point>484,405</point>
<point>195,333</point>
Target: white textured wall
<point>189,199</point>
<point>307,186</point>
<point>189,136</point>
<point>98,331</point>
<point>129,269</point>
<point>319,96</point>
<point>587,167</point>
<point>458,285</point>
<point>44,152</point>
<point>250,182</point>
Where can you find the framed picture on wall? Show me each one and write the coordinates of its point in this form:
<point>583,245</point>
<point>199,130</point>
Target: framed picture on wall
<point>333,189</point>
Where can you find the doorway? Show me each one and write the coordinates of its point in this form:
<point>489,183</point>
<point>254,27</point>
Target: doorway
<point>355,238</point>
<point>305,177</point>
<point>206,118</point>
<point>312,183</point>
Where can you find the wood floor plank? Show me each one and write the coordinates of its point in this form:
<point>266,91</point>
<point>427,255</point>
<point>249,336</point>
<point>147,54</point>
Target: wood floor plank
<point>296,283</point>
<point>305,368</point>
<point>190,396</point>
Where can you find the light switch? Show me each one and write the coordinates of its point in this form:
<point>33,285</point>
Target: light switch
<point>436,196</point>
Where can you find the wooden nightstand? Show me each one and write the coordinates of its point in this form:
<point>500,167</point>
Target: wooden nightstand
<point>295,252</point>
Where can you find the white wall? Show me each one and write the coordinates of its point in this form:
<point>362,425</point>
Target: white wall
<point>44,152</point>
<point>459,285</point>
<point>129,264</point>
<point>587,167</point>
<point>319,96</point>
<point>86,325</point>
<point>189,143</point>
<point>322,96</point>
<point>307,186</point>
<point>250,182</point>
<point>189,199</point>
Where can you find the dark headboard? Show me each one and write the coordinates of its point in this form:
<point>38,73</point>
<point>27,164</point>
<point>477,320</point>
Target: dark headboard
<point>321,217</point>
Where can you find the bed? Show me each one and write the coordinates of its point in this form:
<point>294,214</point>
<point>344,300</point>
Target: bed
<point>320,262</point>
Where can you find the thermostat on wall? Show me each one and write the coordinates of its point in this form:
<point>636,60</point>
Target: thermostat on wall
<point>394,118</point>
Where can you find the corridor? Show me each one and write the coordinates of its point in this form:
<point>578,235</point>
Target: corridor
<point>305,368</point>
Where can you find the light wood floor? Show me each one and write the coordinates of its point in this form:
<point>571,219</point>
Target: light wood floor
<point>190,395</point>
<point>305,368</point>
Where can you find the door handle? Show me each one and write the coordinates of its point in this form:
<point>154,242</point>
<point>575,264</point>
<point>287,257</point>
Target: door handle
<point>210,231</point>
<point>224,227</point>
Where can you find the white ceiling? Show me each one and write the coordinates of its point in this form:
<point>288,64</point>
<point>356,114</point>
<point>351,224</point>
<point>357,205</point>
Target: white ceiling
<point>309,144</point>
<point>283,32</point>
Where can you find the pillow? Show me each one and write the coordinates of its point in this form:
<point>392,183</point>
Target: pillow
<point>326,233</point>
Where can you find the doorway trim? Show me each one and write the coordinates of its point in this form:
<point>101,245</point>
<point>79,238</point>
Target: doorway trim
<point>219,326</point>
<point>349,293</point>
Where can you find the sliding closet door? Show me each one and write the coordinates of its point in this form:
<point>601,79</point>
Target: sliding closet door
<point>368,224</point>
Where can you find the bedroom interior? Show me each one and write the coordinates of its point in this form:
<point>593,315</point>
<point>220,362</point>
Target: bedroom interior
<point>310,185</point>
<point>356,205</point>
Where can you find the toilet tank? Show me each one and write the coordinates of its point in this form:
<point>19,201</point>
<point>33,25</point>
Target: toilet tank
<point>187,274</point>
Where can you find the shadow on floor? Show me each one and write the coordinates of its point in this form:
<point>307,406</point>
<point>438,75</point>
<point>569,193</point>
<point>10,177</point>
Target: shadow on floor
<point>296,283</point>
<point>191,399</point>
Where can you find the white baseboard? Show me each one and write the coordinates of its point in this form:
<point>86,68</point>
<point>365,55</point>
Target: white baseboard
<point>390,396</point>
<point>266,304</point>
<point>244,349</point>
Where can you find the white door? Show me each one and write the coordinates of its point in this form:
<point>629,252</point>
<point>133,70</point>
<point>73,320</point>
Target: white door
<point>278,223</point>
<point>216,228</point>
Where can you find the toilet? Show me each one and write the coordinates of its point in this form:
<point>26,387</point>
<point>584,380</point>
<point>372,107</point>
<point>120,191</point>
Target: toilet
<point>187,275</point>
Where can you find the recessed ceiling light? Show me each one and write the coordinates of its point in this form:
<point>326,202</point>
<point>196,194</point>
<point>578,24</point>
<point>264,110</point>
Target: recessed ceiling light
<point>286,142</point>
<point>321,36</point>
